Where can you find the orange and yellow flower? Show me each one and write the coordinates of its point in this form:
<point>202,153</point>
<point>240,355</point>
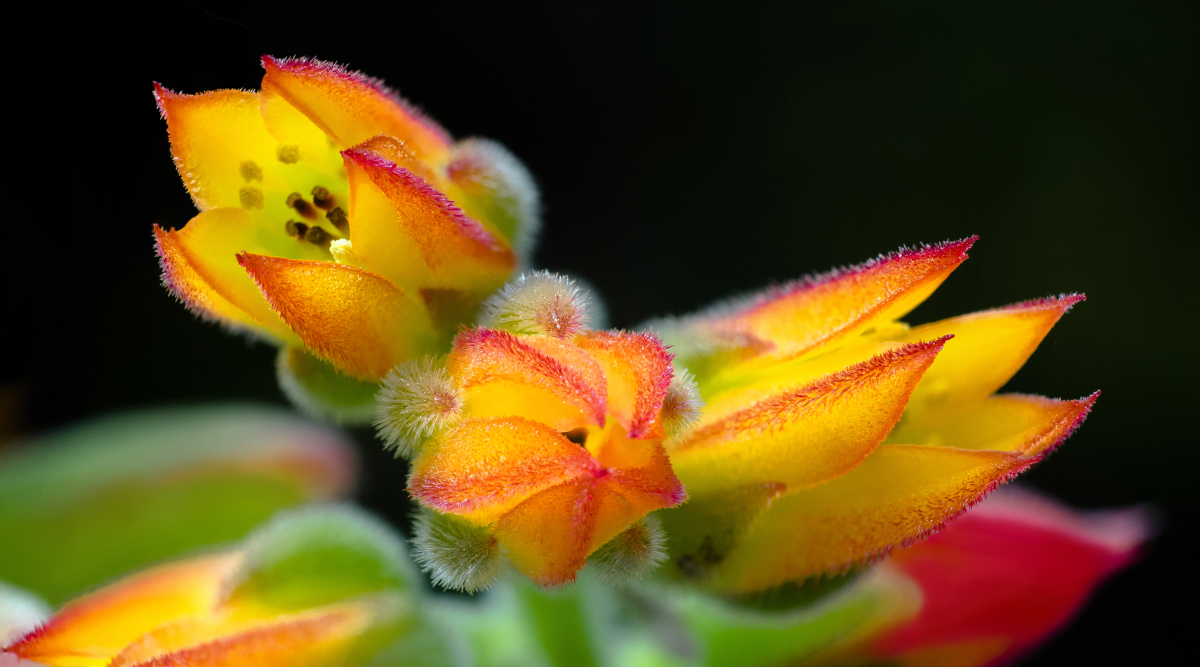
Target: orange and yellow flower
<point>338,219</point>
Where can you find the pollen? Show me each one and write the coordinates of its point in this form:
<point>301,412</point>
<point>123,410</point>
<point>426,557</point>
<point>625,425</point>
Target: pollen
<point>251,171</point>
<point>540,302</point>
<point>287,154</point>
<point>417,400</point>
<point>250,197</point>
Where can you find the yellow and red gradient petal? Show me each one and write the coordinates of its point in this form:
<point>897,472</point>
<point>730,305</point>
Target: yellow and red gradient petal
<point>989,348</point>
<point>638,369</point>
<point>200,267</point>
<point>481,469</point>
<point>535,377</point>
<point>1027,565</point>
<point>899,494</point>
<point>351,107</point>
<point>356,319</point>
<point>823,310</point>
<point>402,227</point>
<point>319,637</point>
<point>549,536</point>
<point>91,630</point>
<point>212,135</point>
<point>803,437</point>
<point>1027,425</point>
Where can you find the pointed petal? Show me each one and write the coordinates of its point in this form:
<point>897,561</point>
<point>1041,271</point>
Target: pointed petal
<point>988,348</point>
<point>821,310</point>
<point>805,436</point>
<point>97,626</point>
<point>351,107</point>
<point>1027,425</point>
<point>896,496</point>
<point>356,319</point>
<point>538,378</point>
<point>638,369</point>
<point>481,469</point>
<point>405,229</point>
<point>1028,563</point>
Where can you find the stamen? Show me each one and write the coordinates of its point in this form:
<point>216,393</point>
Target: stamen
<point>322,198</point>
<point>339,219</point>
<point>317,236</point>
<point>250,197</point>
<point>287,154</point>
<point>251,171</point>
<point>296,201</point>
<point>296,230</point>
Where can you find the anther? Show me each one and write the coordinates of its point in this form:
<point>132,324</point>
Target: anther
<point>317,236</point>
<point>287,154</point>
<point>339,219</point>
<point>296,201</point>
<point>250,171</point>
<point>296,230</point>
<point>322,198</point>
<point>250,197</point>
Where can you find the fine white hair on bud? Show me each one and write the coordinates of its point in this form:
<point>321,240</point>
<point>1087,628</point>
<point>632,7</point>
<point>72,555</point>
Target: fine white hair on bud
<point>681,406</point>
<point>456,553</point>
<point>416,400</point>
<point>540,302</point>
<point>630,555</point>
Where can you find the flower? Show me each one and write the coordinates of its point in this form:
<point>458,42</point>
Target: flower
<point>833,432</point>
<point>538,439</point>
<point>323,586</point>
<point>337,219</point>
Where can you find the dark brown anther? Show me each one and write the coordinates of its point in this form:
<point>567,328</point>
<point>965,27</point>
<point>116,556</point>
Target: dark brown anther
<point>296,201</point>
<point>322,198</point>
<point>296,230</point>
<point>339,219</point>
<point>318,236</point>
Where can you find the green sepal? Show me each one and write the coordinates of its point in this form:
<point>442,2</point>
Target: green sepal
<point>318,389</point>
<point>81,506</point>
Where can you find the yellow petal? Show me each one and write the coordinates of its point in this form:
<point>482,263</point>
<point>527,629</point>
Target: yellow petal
<point>823,310</point>
<point>804,436</point>
<point>356,319</point>
<point>199,264</point>
<point>988,348</point>
<point>351,107</point>
<point>226,157</point>
<point>90,630</point>
<point>1027,425</point>
<point>412,234</point>
<point>899,494</point>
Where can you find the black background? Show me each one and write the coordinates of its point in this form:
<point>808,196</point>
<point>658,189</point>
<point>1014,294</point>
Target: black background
<point>685,152</point>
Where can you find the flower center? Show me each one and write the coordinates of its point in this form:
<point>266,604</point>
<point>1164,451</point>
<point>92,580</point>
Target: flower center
<point>309,204</point>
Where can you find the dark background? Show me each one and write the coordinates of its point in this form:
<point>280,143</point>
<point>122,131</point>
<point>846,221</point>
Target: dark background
<point>685,153</point>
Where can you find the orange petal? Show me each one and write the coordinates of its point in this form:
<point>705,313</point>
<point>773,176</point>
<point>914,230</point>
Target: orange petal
<point>356,319</point>
<point>92,629</point>
<point>481,469</point>
<point>638,369</point>
<point>805,436</point>
<point>406,230</point>
<point>536,377</point>
<point>1027,425</point>
<point>351,107</point>
<point>899,494</point>
<point>819,310</point>
<point>988,348</point>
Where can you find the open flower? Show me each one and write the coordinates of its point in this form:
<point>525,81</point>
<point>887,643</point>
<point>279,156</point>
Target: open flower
<point>833,432</point>
<point>541,440</point>
<point>335,218</point>
<point>324,586</point>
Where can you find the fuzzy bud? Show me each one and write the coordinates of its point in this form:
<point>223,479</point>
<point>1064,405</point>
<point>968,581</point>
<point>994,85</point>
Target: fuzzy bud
<point>682,404</point>
<point>633,553</point>
<point>540,302</point>
<point>456,553</point>
<point>417,399</point>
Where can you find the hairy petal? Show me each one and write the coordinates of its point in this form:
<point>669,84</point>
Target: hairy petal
<point>638,369</point>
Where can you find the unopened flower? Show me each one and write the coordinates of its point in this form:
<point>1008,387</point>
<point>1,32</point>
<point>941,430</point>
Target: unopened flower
<point>540,442</point>
<point>336,218</point>
<point>324,586</point>
<point>833,432</point>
